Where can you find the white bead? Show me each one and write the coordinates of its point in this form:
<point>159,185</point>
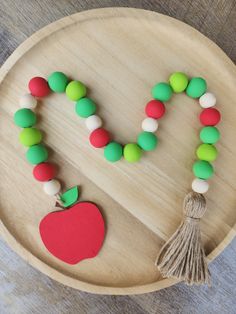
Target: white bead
<point>93,122</point>
<point>52,187</point>
<point>28,101</point>
<point>150,125</point>
<point>200,186</point>
<point>207,100</point>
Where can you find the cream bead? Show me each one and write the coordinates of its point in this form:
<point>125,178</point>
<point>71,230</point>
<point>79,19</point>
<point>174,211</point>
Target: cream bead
<point>200,186</point>
<point>207,100</point>
<point>93,122</point>
<point>52,187</point>
<point>150,125</point>
<point>28,101</point>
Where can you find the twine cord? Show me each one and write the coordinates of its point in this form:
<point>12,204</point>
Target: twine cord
<point>183,256</point>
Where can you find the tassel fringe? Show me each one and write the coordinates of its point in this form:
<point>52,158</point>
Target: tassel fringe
<point>183,256</point>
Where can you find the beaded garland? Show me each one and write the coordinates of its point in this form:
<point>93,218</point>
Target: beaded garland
<point>99,137</point>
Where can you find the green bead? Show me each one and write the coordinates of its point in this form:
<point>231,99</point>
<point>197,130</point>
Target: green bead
<point>162,91</point>
<point>37,154</point>
<point>196,87</point>
<point>207,152</point>
<point>57,82</point>
<point>209,135</point>
<point>75,90</point>
<point>178,82</point>
<point>147,141</point>
<point>132,152</point>
<point>30,136</point>
<point>24,118</point>
<point>85,107</point>
<point>203,169</point>
<point>113,152</point>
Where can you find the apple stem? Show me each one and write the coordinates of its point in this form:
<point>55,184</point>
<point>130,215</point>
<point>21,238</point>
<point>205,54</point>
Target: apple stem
<point>59,202</point>
<point>59,205</point>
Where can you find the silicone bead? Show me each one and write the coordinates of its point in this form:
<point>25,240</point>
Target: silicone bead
<point>203,169</point>
<point>93,122</point>
<point>24,118</point>
<point>113,152</point>
<point>178,82</point>
<point>132,152</point>
<point>28,101</point>
<point>147,141</point>
<point>209,135</point>
<point>75,90</point>
<point>207,100</point>
<point>99,138</point>
<point>44,172</point>
<point>57,82</point>
<point>38,87</point>
<point>85,107</point>
<point>207,152</point>
<point>37,154</point>
<point>162,91</point>
<point>155,109</point>
<point>210,116</point>
<point>150,125</point>
<point>200,186</point>
<point>196,87</point>
<point>52,187</point>
<point>30,136</point>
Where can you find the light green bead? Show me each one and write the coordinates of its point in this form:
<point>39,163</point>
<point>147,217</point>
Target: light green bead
<point>24,118</point>
<point>57,82</point>
<point>178,82</point>
<point>203,169</point>
<point>37,154</point>
<point>132,152</point>
<point>75,90</point>
<point>196,87</point>
<point>147,141</point>
<point>209,135</point>
<point>30,136</point>
<point>162,91</point>
<point>85,107</point>
<point>113,152</point>
<point>207,152</point>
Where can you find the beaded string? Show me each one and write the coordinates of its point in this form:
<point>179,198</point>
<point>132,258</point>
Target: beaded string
<point>99,137</point>
<point>186,262</point>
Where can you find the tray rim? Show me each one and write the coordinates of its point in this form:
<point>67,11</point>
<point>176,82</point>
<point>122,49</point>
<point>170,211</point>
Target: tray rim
<point>17,247</point>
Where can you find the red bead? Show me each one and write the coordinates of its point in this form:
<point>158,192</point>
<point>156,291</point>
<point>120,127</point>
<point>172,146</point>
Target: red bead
<point>99,138</point>
<point>210,116</point>
<point>44,171</point>
<point>155,109</point>
<point>38,87</point>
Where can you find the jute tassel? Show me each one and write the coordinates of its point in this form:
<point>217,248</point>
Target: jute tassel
<point>183,256</point>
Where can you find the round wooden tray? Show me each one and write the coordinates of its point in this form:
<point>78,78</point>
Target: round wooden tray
<point>119,54</point>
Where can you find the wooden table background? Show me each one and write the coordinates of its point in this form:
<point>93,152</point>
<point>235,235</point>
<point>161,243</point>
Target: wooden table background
<point>24,289</point>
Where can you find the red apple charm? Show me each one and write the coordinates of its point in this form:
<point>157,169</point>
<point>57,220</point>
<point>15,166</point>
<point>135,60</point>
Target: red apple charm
<point>73,234</point>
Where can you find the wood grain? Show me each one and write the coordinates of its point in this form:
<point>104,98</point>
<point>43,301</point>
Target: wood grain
<point>15,14</point>
<point>145,197</point>
<point>215,19</point>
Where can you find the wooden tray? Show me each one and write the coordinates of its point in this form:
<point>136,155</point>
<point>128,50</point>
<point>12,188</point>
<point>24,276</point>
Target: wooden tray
<point>119,54</point>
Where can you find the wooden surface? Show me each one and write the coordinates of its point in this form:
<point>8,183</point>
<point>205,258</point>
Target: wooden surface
<point>145,197</point>
<point>135,309</point>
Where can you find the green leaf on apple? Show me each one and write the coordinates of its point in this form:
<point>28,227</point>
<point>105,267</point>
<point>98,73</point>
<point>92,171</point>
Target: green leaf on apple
<point>70,197</point>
